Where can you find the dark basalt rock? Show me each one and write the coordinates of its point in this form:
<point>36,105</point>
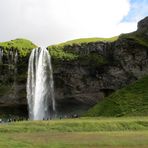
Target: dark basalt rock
<point>83,82</point>
<point>143,25</point>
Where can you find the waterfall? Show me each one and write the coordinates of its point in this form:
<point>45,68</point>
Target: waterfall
<point>15,60</point>
<point>1,55</point>
<point>40,85</point>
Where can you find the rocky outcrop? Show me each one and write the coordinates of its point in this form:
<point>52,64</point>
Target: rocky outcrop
<point>13,74</point>
<point>90,72</point>
<point>85,81</point>
<point>12,79</point>
<point>143,25</point>
<point>87,84</point>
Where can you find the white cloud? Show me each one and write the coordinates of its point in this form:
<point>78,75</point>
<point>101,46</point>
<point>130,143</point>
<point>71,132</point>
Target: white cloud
<point>51,21</point>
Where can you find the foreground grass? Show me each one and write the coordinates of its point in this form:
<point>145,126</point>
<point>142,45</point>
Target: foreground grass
<point>76,139</point>
<point>82,133</point>
<point>78,125</point>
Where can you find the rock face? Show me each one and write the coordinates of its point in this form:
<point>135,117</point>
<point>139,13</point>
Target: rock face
<point>99,69</point>
<point>13,75</point>
<point>87,84</point>
<point>12,83</point>
<point>84,82</point>
<point>12,86</point>
<point>143,25</point>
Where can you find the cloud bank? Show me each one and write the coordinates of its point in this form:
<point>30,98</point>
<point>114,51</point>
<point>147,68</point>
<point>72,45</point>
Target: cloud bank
<point>48,22</point>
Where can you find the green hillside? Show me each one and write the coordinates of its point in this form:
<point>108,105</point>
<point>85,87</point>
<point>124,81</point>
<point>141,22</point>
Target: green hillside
<point>23,46</point>
<point>58,51</point>
<point>139,37</point>
<point>129,101</point>
<point>88,40</point>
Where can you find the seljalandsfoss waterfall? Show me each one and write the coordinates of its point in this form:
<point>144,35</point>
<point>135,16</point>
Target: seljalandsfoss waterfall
<point>40,85</point>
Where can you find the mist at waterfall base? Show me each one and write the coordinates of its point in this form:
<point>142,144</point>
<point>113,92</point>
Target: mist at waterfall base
<point>40,85</point>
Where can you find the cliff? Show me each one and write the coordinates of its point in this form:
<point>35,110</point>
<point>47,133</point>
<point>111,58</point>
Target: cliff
<point>13,75</point>
<point>85,71</point>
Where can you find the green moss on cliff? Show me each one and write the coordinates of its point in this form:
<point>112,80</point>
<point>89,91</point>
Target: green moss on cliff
<point>93,59</point>
<point>129,101</point>
<point>61,52</point>
<point>89,40</point>
<point>138,37</point>
<point>58,53</point>
<point>4,89</point>
<point>23,46</point>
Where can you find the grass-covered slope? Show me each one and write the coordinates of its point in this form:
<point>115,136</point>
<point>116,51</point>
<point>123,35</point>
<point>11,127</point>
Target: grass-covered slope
<point>138,37</point>
<point>58,51</point>
<point>129,101</point>
<point>88,40</point>
<point>23,46</point>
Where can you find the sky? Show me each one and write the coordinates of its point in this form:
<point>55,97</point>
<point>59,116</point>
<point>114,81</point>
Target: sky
<point>47,22</point>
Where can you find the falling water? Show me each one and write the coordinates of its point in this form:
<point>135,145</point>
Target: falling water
<point>11,55</point>
<point>1,55</point>
<point>40,85</point>
<point>15,60</point>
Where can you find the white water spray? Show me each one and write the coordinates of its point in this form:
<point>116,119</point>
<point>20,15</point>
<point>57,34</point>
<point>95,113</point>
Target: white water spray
<point>40,85</point>
<point>1,55</point>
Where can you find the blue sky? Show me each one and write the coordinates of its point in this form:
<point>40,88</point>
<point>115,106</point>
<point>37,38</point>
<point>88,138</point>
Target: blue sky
<point>47,22</point>
<point>138,10</point>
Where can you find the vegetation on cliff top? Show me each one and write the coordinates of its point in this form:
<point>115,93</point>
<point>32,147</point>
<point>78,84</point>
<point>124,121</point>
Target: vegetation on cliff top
<point>129,101</point>
<point>59,52</point>
<point>23,46</point>
<point>88,40</point>
<point>92,59</point>
<point>138,37</point>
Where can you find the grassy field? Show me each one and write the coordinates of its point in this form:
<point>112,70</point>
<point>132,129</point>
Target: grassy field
<point>129,132</point>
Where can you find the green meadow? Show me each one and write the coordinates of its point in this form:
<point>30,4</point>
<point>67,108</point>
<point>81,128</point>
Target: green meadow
<point>121,132</point>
